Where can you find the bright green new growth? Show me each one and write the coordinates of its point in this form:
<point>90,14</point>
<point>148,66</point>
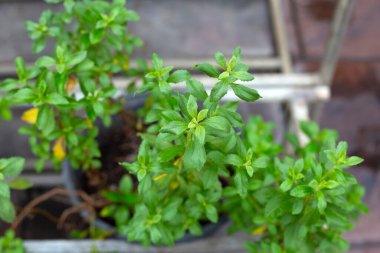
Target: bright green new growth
<point>10,244</point>
<point>10,169</point>
<point>91,44</point>
<point>198,160</point>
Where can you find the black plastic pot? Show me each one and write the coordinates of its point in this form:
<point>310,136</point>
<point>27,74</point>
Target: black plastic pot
<point>73,181</point>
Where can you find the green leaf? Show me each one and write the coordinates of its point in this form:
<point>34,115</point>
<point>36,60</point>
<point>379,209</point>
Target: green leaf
<point>45,61</point>
<point>217,122</point>
<point>237,53</point>
<point>261,162</point>
<point>301,191</point>
<point>196,89</point>
<point>297,206</point>
<point>195,229</point>
<point>212,213</point>
<point>200,134</point>
<point>170,153</point>
<point>310,128</point>
<point>24,95</point>
<point>20,67</point>
<point>218,91</point>
<point>208,69</point>
<point>4,190</point>
<point>192,106</point>
<point>155,234</point>
<point>243,76</point>
<point>179,76</point>
<point>286,185</point>
<point>277,205</point>
<point>38,45</point>
<point>175,127</point>
<point>294,235</point>
<point>321,202</point>
<point>85,65</point>
<point>125,184</point>
<point>354,160</point>
<point>171,209</point>
<point>317,170</point>
<point>56,99</point>
<point>96,35</point>
<point>329,184</point>
<point>245,93</point>
<point>77,58</point>
<point>234,160</point>
<point>20,184</point>
<point>275,248</point>
<point>158,63</point>
<point>141,174</point>
<point>220,59</point>
<point>299,165</point>
<point>132,15</point>
<point>7,211</point>
<point>195,155</point>
<point>12,167</point>
<point>202,115</point>
<point>249,169</point>
<point>171,115</point>
<point>46,120</point>
<point>241,182</point>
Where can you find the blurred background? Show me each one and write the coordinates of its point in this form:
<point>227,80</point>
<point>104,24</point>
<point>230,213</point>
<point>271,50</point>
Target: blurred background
<point>188,30</point>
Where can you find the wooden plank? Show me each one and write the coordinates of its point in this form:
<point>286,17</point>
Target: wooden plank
<point>279,32</point>
<point>223,244</point>
<point>256,63</point>
<point>261,81</point>
<point>272,87</point>
<point>338,28</point>
<point>45,180</point>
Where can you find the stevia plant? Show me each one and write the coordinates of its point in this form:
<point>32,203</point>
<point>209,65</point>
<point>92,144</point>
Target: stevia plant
<point>303,202</point>
<point>198,160</point>
<point>73,87</point>
<point>181,167</point>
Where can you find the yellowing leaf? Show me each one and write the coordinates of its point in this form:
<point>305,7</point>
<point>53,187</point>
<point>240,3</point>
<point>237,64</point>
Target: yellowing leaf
<point>70,85</point>
<point>174,185</point>
<point>125,65</point>
<point>30,116</point>
<point>259,230</point>
<point>160,177</point>
<point>89,123</point>
<point>59,149</point>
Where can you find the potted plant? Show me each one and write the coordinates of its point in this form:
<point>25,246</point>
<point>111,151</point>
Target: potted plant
<point>71,89</point>
<point>300,202</point>
<point>197,160</point>
<point>92,44</point>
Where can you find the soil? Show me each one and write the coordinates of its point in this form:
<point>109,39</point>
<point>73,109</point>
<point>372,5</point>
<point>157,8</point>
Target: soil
<point>118,143</point>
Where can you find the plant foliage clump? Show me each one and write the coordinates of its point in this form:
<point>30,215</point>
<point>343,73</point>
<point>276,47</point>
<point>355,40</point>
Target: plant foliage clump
<point>10,244</point>
<point>199,160</point>
<point>91,43</point>
<point>10,169</point>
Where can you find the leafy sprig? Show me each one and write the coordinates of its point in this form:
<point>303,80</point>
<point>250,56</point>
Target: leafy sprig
<point>182,156</point>
<point>92,44</point>
<point>198,160</point>
<point>10,169</point>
